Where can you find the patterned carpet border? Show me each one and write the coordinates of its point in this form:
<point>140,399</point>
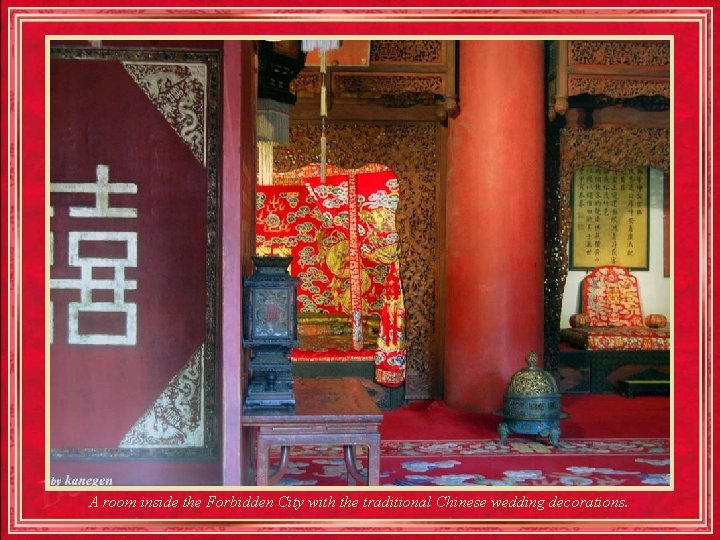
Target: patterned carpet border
<point>491,447</point>
<point>520,462</point>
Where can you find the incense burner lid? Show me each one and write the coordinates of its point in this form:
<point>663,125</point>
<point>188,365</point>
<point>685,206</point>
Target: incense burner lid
<point>532,381</point>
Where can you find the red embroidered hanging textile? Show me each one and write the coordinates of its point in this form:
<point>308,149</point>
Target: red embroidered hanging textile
<point>360,242</point>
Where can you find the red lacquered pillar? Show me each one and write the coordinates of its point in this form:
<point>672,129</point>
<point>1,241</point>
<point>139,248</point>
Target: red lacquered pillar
<point>495,202</point>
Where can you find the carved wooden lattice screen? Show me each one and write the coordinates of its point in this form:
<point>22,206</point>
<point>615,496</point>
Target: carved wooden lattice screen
<point>393,114</point>
<point>412,152</point>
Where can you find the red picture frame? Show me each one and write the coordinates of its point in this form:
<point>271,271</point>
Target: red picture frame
<point>667,237</point>
<point>35,506</point>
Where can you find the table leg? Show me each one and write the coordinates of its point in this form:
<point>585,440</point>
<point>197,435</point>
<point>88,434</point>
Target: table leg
<point>263,462</point>
<point>282,466</point>
<point>374,461</point>
<point>353,473</point>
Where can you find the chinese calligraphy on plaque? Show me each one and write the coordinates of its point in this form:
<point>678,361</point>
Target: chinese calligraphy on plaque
<point>610,218</point>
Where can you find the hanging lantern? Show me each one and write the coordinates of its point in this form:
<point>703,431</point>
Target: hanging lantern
<point>308,45</point>
<point>272,128</point>
<point>279,63</point>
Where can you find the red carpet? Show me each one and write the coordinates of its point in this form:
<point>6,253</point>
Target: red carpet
<point>607,440</point>
<point>595,416</point>
<point>521,462</point>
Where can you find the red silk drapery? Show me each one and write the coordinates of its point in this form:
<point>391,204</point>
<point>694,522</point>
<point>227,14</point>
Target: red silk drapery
<point>354,259</point>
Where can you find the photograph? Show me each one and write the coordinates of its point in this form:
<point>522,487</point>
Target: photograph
<point>340,269</point>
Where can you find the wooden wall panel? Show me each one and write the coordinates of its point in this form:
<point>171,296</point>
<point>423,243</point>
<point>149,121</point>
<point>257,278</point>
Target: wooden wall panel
<point>133,280</point>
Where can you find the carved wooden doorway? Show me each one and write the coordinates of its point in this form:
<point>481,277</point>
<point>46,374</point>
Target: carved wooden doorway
<point>395,114</point>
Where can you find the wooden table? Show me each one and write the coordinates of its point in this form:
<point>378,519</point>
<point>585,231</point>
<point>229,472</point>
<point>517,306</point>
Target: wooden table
<point>328,411</point>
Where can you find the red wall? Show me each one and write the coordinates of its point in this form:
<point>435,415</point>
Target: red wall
<point>238,244</point>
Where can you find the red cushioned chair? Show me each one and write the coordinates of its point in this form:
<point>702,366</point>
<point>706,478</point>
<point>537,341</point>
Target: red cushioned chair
<point>611,317</point>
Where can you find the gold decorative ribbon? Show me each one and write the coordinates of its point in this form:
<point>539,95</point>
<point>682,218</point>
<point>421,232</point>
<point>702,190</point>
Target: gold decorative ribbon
<point>355,276</point>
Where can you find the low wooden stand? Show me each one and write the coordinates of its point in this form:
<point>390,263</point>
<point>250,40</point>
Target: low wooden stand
<point>599,372</point>
<point>332,411</point>
<point>647,382</point>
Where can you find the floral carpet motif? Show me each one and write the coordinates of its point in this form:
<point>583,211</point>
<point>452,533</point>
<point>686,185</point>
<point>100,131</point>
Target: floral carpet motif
<point>521,462</point>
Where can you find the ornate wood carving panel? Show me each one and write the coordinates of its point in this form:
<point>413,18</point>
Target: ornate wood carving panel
<point>403,74</point>
<point>618,87</point>
<point>362,85</point>
<point>307,84</point>
<point>619,70</point>
<point>620,53</point>
<point>407,52</point>
<point>411,150</point>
